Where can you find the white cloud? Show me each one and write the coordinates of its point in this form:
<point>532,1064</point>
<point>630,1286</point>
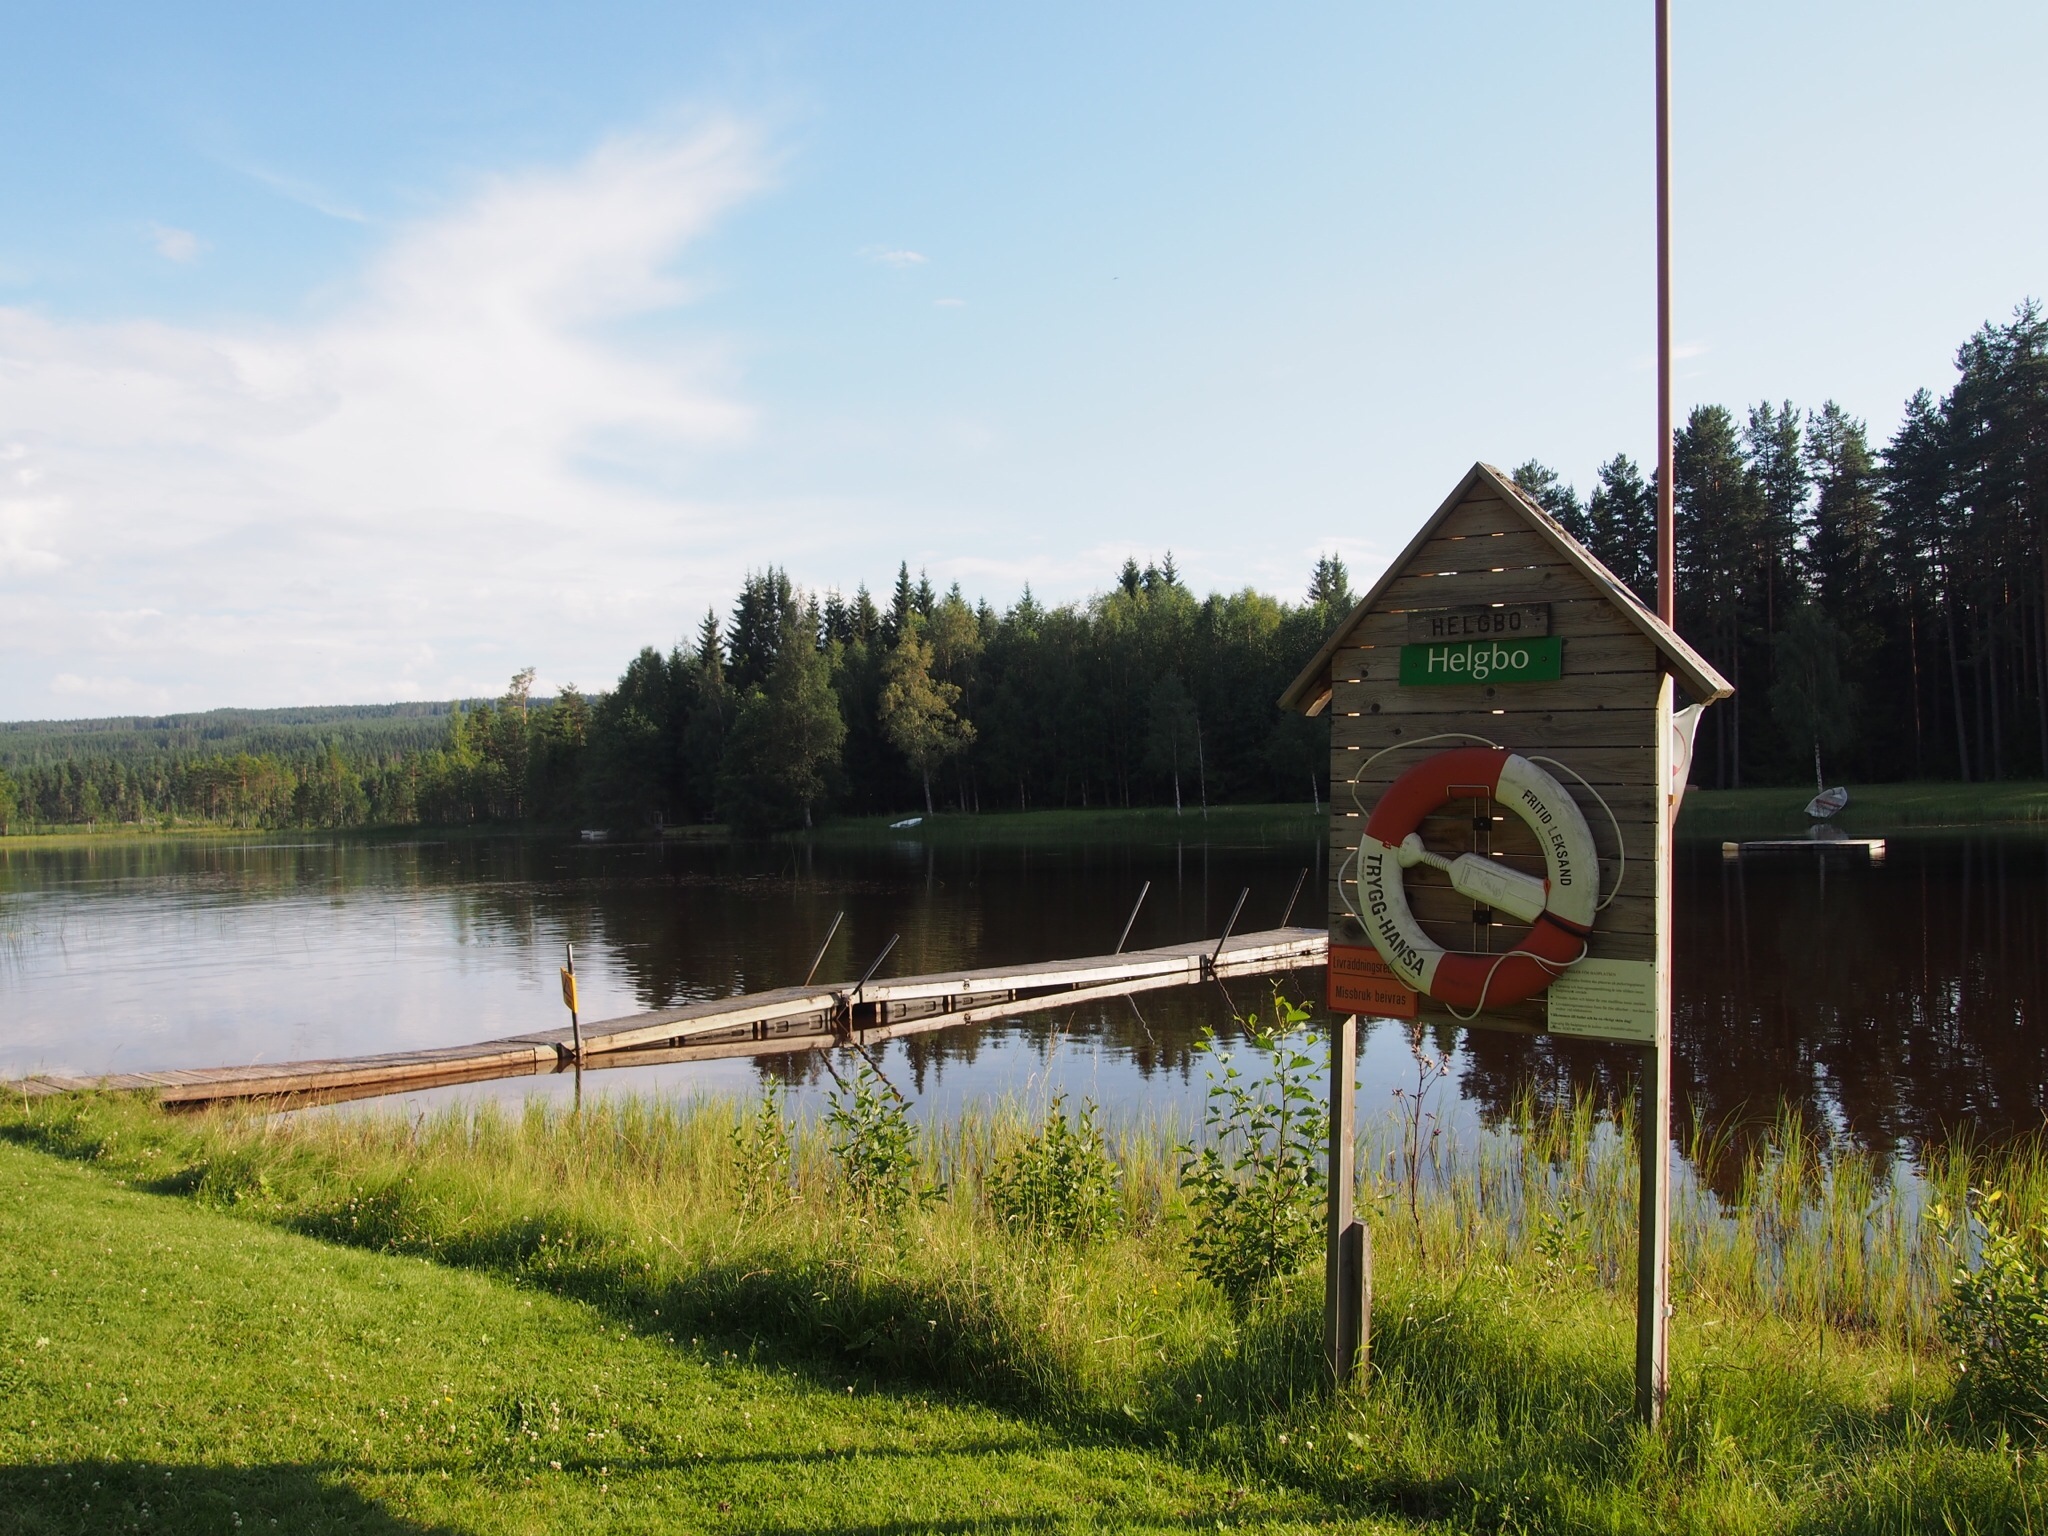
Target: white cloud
<point>888,257</point>
<point>451,474</point>
<point>949,303</point>
<point>109,692</point>
<point>175,244</point>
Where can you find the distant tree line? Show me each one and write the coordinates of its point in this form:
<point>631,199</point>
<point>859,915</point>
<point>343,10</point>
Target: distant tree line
<point>1885,609</point>
<point>797,705</point>
<point>1881,611</point>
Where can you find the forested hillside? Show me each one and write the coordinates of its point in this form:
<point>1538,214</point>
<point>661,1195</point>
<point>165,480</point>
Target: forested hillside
<point>1882,611</point>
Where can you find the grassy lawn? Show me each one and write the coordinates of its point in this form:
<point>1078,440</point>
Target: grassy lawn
<point>366,1322</point>
<point>165,1366</point>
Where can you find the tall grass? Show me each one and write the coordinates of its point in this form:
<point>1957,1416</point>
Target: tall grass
<point>1815,1230</point>
<point>1809,1388</point>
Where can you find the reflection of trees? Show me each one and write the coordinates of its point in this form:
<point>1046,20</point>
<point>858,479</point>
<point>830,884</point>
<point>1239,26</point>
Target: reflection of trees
<point>1899,1002</point>
<point>1895,1005</point>
<point>707,922</point>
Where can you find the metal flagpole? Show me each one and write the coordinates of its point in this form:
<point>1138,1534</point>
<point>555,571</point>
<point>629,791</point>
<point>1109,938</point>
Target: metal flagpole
<point>1653,1259</point>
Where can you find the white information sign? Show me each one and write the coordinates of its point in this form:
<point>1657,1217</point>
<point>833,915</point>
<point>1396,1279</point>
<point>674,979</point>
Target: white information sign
<point>1606,1000</point>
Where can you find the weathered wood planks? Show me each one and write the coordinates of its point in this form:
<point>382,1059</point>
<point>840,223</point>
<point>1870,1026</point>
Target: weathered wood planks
<point>784,1019</point>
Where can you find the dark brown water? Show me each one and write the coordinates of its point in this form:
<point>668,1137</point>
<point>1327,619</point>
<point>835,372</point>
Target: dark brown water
<point>1894,1002</point>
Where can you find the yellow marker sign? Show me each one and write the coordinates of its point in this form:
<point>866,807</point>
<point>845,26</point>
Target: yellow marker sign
<point>569,989</point>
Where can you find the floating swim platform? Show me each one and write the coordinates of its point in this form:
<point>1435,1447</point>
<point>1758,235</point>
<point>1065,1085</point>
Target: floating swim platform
<point>1871,848</point>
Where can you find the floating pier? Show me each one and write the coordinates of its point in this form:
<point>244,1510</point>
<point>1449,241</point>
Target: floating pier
<point>752,1024</point>
<point>1871,848</point>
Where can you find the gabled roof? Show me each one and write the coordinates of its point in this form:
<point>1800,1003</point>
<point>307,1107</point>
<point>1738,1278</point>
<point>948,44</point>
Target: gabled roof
<point>1309,692</point>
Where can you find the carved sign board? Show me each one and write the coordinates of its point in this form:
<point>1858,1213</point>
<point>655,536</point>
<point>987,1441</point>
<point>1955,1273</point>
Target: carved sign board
<point>1479,621</point>
<point>1501,710</point>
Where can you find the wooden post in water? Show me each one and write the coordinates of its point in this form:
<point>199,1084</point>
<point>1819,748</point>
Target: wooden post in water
<point>1347,1261</point>
<point>575,1019</point>
<point>569,999</point>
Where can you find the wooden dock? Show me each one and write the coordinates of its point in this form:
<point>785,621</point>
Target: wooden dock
<point>752,1024</point>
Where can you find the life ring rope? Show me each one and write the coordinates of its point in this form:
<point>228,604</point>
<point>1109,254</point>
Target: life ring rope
<point>1620,842</point>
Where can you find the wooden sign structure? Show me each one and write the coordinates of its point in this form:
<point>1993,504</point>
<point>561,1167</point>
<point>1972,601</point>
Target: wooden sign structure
<point>1507,751</point>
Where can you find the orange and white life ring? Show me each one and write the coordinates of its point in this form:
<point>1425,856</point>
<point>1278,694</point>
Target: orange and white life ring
<point>1559,908</point>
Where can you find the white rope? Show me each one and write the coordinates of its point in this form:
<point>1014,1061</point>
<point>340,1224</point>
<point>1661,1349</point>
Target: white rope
<point>1621,847</point>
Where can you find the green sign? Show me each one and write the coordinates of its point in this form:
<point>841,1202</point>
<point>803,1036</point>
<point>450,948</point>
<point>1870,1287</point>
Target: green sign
<point>1461,663</point>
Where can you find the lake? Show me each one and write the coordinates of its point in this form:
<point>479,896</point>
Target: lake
<point>1895,1003</point>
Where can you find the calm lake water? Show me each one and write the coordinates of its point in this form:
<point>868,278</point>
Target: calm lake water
<point>1897,1002</point>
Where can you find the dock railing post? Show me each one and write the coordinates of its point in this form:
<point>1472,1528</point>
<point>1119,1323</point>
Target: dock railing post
<point>1293,896</point>
<point>853,996</point>
<point>830,933</point>
<point>1124,937</point>
<point>1217,953</point>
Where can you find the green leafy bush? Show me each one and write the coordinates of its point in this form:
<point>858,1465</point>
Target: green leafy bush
<point>1060,1183</point>
<point>761,1152</point>
<point>874,1144</point>
<point>1996,1314</point>
<point>1256,1182</point>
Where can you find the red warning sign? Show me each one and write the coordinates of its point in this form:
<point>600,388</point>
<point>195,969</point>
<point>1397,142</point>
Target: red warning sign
<point>1361,982</point>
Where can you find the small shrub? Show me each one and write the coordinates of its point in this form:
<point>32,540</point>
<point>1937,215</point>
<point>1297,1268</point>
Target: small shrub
<point>1061,1183</point>
<point>1256,1185</point>
<point>1996,1314</point>
<point>874,1144</point>
<point>1559,1244</point>
<point>761,1153</point>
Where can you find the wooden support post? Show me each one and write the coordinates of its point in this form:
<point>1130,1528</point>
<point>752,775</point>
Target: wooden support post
<point>1358,1291</point>
<point>1347,1282</point>
<point>1653,1205</point>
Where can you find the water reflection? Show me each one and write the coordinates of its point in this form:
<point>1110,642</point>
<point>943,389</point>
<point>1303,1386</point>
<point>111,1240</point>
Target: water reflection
<point>1895,1003</point>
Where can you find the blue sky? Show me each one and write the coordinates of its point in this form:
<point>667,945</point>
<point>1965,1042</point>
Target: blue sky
<point>375,352</point>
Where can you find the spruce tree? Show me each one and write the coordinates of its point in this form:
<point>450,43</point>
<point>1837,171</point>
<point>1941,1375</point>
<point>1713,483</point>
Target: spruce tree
<point>1560,500</point>
<point>1622,512</point>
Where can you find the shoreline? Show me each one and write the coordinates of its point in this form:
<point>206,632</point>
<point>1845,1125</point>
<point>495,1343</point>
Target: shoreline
<point>1874,810</point>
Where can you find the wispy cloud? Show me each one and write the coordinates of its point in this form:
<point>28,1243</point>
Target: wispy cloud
<point>459,469</point>
<point>949,303</point>
<point>888,256</point>
<point>1681,352</point>
<point>305,194</point>
<point>174,244</point>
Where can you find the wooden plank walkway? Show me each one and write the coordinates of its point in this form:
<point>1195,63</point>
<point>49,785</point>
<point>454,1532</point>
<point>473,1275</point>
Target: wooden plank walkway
<point>754,1023</point>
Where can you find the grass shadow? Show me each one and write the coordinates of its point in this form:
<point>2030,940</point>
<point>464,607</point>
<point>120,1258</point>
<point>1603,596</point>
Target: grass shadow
<point>63,1498</point>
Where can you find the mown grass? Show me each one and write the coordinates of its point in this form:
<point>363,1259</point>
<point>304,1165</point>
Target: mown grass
<point>1874,810</point>
<point>167,1367</point>
<point>1808,1394</point>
